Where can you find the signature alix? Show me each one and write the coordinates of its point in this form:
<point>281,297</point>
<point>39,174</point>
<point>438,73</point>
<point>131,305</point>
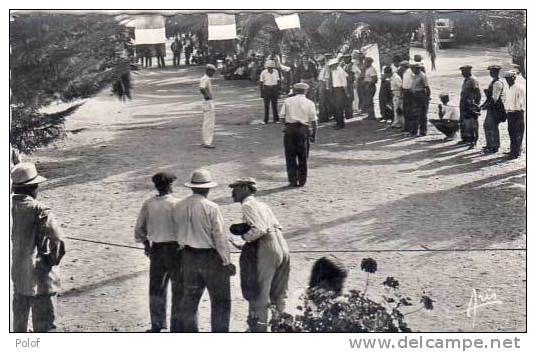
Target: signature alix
<point>479,300</point>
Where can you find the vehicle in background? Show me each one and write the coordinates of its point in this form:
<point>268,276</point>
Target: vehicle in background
<point>446,34</point>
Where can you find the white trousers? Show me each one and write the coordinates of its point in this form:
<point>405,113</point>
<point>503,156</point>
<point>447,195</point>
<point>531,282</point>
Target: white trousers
<point>397,105</point>
<point>355,104</point>
<point>209,117</point>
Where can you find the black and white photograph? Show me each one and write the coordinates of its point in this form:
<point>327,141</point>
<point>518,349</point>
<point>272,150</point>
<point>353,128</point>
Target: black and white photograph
<point>267,171</point>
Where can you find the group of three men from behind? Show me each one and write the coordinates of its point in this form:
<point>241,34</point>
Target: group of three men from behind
<point>187,245</point>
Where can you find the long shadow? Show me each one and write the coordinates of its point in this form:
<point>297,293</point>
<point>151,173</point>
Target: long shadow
<point>468,216</point>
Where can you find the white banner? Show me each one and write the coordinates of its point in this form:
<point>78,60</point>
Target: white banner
<point>288,21</point>
<point>150,36</point>
<point>221,26</point>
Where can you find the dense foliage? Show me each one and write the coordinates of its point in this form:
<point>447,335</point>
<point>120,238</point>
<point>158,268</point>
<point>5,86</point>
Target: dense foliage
<point>59,58</point>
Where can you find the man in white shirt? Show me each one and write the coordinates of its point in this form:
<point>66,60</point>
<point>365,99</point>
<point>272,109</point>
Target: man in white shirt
<point>270,84</point>
<point>205,258</point>
<point>265,255</point>
<point>154,228</point>
<point>407,84</point>
<point>337,88</point>
<point>515,105</point>
<point>299,116</point>
<point>205,87</point>
<point>449,118</point>
<point>370,79</point>
<point>396,89</point>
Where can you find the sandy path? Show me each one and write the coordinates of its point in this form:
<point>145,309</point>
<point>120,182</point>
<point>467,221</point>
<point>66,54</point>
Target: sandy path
<point>369,188</point>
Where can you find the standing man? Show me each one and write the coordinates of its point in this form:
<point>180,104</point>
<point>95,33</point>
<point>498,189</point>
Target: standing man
<point>176,48</point>
<point>154,228</point>
<point>272,264</point>
<point>37,250</point>
<point>299,116</point>
<point>205,87</point>
<point>188,50</point>
<point>514,104</point>
<point>337,88</point>
<point>370,78</point>
<point>270,84</point>
<point>396,90</point>
<point>351,70</point>
<point>495,113</point>
<point>357,65</point>
<point>386,96</point>
<point>469,107</point>
<point>323,97</point>
<point>420,96</point>
<point>206,259</point>
<point>407,84</point>
<point>306,73</point>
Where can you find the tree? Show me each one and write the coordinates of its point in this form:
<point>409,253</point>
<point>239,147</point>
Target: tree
<point>60,58</point>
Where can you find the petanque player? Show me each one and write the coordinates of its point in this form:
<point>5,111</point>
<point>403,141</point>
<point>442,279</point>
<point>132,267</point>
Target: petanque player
<point>495,113</point>
<point>205,257</point>
<point>205,86</point>
<point>154,228</point>
<point>270,264</point>
<point>270,86</point>
<point>515,106</point>
<point>299,117</point>
<point>469,107</point>
<point>37,249</point>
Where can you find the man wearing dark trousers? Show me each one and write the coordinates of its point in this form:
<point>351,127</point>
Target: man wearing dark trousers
<point>176,48</point>
<point>420,92</point>
<point>154,228</point>
<point>205,257</point>
<point>299,116</point>
<point>270,84</point>
<point>515,106</point>
<point>469,107</point>
<point>338,83</point>
<point>494,106</point>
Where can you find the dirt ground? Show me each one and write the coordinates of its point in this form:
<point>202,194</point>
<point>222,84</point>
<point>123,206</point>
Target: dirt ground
<point>370,188</point>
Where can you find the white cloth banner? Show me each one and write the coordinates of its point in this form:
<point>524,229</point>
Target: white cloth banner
<point>288,21</point>
<point>150,36</point>
<point>221,26</point>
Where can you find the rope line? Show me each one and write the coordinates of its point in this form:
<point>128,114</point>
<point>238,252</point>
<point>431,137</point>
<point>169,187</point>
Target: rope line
<point>335,251</point>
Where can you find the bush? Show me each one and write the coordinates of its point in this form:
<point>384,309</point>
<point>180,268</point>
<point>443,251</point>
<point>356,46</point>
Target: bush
<point>327,310</point>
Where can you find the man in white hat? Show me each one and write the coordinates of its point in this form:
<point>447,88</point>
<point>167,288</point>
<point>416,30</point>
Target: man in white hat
<point>495,113</point>
<point>337,87</point>
<point>155,229</point>
<point>270,85</point>
<point>370,78</point>
<point>271,261</point>
<point>300,119</point>
<point>205,87</point>
<point>37,250</point>
<point>205,257</point>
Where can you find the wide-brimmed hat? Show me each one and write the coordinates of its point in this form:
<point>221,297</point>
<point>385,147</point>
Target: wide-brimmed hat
<point>466,67</point>
<point>211,67</point>
<point>201,178</point>
<point>25,174</point>
<point>270,64</point>
<point>416,64</point>
<point>510,74</point>
<point>404,63</point>
<point>333,61</point>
